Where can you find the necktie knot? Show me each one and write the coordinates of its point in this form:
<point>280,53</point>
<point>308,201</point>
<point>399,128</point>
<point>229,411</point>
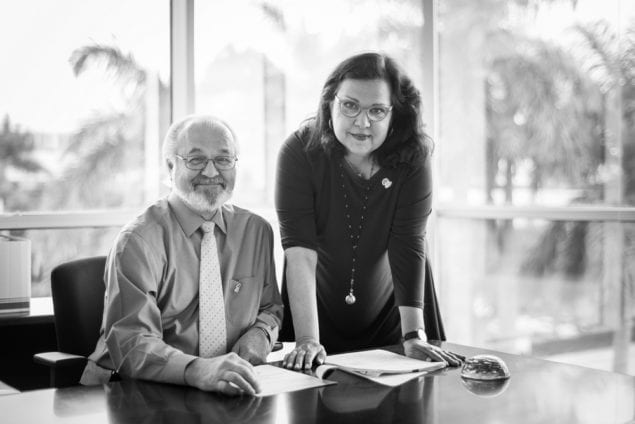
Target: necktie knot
<point>208,226</point>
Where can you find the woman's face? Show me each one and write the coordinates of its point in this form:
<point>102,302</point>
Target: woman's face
<point>362,134</point>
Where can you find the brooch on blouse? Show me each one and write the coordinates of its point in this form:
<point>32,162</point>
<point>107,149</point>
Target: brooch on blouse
<point>386,183</point>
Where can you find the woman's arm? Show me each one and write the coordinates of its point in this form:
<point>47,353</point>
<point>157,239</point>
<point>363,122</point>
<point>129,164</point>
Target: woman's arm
<point>419,348</point>
<point>300,269</point>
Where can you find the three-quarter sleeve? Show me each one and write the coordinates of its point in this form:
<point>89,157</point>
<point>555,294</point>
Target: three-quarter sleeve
<point>295,195</point>
<point>132,319</point>
<point>406,245</point>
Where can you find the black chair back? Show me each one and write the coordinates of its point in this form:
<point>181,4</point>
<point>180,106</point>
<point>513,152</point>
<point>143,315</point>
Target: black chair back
<point>78,301</point>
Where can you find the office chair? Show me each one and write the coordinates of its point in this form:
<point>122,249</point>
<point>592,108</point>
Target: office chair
<point>78,301</point>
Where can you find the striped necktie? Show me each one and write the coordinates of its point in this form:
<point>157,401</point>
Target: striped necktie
<point>211,303</point>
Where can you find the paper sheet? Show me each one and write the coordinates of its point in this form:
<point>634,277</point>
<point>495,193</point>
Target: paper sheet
<point>379,361</point>
<point>391,380</point>
<point>274,380</point>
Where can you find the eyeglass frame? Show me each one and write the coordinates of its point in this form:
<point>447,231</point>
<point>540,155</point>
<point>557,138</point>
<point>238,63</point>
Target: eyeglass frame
<point>186,160</point>
<point>340,101</point>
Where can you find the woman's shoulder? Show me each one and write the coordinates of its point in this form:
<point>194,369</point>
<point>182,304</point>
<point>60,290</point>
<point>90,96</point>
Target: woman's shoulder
<point>299,139</point>
<point>298,145</point>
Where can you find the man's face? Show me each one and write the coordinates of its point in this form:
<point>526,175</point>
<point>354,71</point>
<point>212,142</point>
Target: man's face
<point>204,190</point>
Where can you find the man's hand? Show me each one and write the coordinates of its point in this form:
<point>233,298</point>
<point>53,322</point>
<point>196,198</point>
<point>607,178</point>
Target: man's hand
<point>305,352</point>
<point>419,349</point>
<point>253,346</point>
<point>227,374</point>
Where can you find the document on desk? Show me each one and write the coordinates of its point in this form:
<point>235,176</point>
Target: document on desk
<point>380,366</point>
<point>274,380</point>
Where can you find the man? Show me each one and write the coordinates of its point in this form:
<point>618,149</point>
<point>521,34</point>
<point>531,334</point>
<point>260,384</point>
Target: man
<point>155,324</point>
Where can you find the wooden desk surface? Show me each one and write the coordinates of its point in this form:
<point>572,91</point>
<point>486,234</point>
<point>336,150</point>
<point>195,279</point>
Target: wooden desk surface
<point>539,391</point>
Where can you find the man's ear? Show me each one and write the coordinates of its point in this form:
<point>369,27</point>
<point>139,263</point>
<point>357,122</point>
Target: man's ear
<point>170,165</point>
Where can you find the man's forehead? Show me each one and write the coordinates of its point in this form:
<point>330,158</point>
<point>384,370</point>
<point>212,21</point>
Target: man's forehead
<point>201,136</point>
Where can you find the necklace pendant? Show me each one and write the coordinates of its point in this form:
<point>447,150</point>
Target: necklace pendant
<point>350,299</point>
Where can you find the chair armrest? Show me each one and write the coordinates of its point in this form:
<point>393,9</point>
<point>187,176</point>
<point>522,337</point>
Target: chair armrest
<point>65,369</point>
<point>59,359</point>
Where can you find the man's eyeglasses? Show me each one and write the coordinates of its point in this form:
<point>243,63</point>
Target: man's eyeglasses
<point>197,163</point>
<point>352,109</point>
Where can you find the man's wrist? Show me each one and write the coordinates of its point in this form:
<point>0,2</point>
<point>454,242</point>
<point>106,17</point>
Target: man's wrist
<point>266,333</point>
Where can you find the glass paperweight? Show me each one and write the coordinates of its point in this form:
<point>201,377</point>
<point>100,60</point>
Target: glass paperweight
<point>485,367</point>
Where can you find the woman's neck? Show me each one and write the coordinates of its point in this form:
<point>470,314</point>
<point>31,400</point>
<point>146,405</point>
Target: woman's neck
<point>363,166</point>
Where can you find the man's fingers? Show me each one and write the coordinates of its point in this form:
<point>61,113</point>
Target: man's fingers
<point>243,383</point>
<point>239,367</point>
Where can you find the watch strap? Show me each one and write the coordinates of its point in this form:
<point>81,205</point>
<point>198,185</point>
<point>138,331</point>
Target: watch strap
<point>416,334</point>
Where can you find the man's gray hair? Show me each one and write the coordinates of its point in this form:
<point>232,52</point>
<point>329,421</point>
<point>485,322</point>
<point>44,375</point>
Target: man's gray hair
<point>180,128</point>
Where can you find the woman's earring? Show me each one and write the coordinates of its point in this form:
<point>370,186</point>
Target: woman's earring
<point>330,124</point>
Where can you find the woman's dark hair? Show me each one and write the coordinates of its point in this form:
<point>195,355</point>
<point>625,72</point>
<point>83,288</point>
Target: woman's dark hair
<point>406,141</point>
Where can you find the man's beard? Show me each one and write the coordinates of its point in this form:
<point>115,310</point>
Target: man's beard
<point>201,202</point>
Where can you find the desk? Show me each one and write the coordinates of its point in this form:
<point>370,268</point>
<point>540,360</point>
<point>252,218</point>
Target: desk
<point>22,335</point>
<point>539,391</point>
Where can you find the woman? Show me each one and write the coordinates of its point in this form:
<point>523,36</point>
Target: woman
<point>353,194</point>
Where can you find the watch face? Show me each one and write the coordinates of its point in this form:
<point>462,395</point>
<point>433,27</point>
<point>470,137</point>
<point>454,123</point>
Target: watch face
<point>421,334</point>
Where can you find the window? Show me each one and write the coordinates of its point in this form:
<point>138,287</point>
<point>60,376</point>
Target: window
<point>535,151</point>
<point>263,73</point>
<point>85,97</point>
<point>530,104</point>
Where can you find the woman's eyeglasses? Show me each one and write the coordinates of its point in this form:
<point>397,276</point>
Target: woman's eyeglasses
<point>352,109</point>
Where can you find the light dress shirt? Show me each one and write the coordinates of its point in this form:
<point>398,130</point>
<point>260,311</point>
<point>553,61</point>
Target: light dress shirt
<point>150,323</point>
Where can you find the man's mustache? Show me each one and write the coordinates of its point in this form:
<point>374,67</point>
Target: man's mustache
<point>220,181</point>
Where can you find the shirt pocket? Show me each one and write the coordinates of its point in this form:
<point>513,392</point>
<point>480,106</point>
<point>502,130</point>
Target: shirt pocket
<point>243,301</point>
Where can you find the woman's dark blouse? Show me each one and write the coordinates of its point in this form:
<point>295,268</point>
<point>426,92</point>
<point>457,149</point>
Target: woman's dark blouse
<point>390,258</point>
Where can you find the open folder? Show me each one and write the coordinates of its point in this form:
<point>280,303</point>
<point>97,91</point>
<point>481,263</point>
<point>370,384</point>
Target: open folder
<point>378,365</point>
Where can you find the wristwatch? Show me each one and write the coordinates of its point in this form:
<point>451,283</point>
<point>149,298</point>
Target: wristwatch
<point>419,333</point>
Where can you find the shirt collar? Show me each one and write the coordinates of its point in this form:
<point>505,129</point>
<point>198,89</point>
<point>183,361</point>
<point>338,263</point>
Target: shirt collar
<point>191,221</point>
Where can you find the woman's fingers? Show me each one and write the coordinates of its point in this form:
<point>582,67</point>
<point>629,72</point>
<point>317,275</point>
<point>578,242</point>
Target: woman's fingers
<point>303,356</point>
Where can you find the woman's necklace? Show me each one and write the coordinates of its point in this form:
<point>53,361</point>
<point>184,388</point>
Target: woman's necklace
<point>354,237</point>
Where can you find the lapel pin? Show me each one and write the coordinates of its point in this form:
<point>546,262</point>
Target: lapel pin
<point>386,183</point>
<point>237,287</point>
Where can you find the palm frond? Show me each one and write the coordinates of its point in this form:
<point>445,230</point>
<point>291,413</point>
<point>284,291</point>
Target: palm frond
<point>123,66</point>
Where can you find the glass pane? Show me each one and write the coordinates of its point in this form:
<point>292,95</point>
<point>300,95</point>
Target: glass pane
<point>263,73</point>
<point>539,96</point>
<point>555,289</point>
<point>84,103</point>
<point>50,248</point>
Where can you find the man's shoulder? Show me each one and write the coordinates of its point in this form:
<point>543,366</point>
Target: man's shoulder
<point>237,215</point>
<point>150,222</point>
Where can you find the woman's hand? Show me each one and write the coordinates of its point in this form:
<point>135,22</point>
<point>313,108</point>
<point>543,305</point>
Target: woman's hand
<point>418,349</point>
<point>304,354</point>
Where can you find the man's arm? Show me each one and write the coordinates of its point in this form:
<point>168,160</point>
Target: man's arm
<point>132,318</point>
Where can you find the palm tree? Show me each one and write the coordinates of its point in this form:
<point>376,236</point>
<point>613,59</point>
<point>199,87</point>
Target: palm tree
<point>16,148</point>
<point>609,65</point>
<point>107,152</point>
